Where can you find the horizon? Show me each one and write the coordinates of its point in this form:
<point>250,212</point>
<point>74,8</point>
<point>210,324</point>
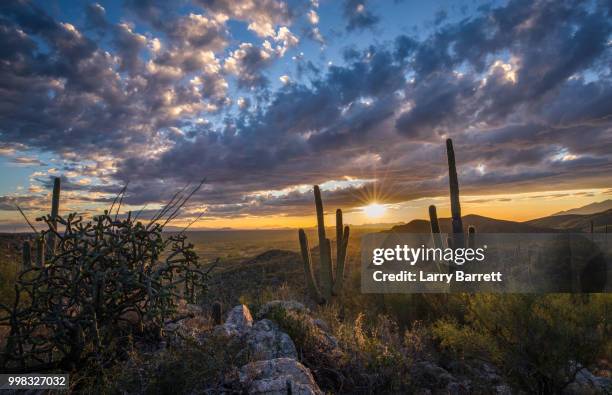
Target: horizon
<point>266,99</point>
<point>329,218</point>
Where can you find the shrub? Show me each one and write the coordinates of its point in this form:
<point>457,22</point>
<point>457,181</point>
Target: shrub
<point>540,342</point>
<point>205,366</point>
<point>105,281</point>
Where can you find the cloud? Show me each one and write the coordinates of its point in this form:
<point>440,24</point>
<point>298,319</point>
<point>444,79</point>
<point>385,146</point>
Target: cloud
<point>358,15</point>
<point>262,15</point>
<point>27,161</point>
<point>524,89</point>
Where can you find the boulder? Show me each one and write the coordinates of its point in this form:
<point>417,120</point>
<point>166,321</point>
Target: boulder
<point>586,382</point>
<point>266,341</point>
<point>279,376</point>
<point>429,376</point>
<point>238,322</point>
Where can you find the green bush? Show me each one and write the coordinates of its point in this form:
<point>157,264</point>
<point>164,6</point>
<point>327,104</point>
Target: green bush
<point>540,342</point>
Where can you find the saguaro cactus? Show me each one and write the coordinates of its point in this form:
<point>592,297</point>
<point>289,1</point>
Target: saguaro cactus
<point>54,214</point>
<point>457,223</point>
<point>328,284</point>
<point>435,227</point>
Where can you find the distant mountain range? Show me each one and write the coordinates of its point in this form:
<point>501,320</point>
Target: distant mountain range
<point>592,208</point>
<point>575,221</point>
<point>482,225</point>
<point>551,224</point>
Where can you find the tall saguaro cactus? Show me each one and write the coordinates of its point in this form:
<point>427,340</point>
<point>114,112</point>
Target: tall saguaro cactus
<point>457,223</point>
<point>54,214</point>
<point>328,284</point>
<point>435,227</point>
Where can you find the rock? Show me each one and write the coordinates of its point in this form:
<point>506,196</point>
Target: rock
<point>278,376</point>
<point>266,341</point>
<point>428,376</point>
<point>503,389</point>
<point>432,375</point>
<point>288,305</point>
<point>238,322</point>
<point>586,382</point>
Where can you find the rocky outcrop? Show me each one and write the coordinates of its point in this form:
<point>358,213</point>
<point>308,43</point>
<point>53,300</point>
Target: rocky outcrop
<point>586,382</point>
<point>266,341</point>
<point>274,368</point>
<point>239,321</point>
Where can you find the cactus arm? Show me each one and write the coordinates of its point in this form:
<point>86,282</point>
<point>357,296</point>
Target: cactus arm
<point>458,240</point>
<point>307,260</point>
<point>320,217</point>
<point>339,237</point>
<point>435,226</point>
<point>342,247</point>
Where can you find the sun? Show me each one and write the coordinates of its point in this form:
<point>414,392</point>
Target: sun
<point>374,210</point>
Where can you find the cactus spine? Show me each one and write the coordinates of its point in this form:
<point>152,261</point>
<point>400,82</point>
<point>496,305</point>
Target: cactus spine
<point>457,223</point>
<point>54,214</point>
<point>435,226</point>
<point>328,284</point>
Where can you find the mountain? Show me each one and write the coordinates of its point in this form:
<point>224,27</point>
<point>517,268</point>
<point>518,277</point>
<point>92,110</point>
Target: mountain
<point>482,225</point>
<point>592,208</point>
<point>575,221</point>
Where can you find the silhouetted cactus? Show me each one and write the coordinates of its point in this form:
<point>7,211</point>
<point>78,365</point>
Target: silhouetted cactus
<point>457,223</point>
<point>471,237</point>
<point>328,284</point>
<point>217,312</point>
<point>55,200</point>
<point>311,281</point>
<point>435,226</point>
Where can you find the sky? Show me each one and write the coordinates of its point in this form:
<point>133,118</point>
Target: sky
<point>265,98</point>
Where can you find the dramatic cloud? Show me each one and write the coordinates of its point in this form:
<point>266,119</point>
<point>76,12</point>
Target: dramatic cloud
<point>164,97</point>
